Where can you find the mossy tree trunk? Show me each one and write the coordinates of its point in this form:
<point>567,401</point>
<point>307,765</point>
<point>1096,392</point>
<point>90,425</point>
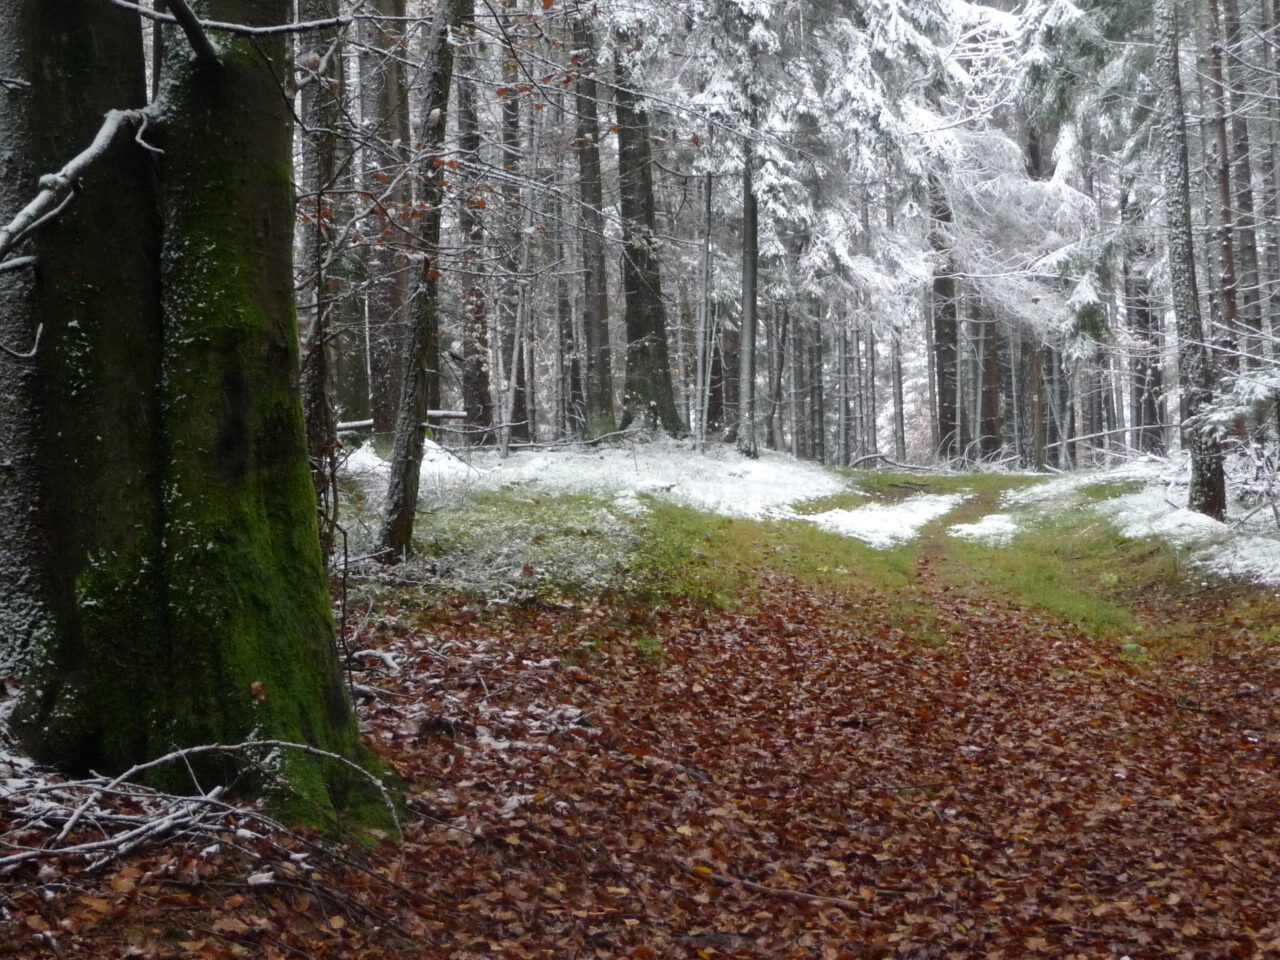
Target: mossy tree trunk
<point>189,604</point>
<point>249,610</point>
<point>97,446</point>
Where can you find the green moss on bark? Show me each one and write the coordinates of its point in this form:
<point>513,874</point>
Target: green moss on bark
<point>191,601</point>
<point>248,608</point>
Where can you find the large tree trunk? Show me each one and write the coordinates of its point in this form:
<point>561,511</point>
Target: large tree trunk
<point>82,600</point>
<point>595,272</point>
<point>421,379</point>
<point>193,607</point>
<point>648,392</point>
<point>248,609</point>
<point>1208,494</point>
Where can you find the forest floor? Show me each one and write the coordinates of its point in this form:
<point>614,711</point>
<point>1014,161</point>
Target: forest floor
<point>762,738</point>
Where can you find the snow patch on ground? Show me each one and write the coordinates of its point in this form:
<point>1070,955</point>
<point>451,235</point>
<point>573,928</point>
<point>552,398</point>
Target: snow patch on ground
<point>1241,553</point>
<point>888,525</point>
<point>995,529</point>
<point>718,480</point>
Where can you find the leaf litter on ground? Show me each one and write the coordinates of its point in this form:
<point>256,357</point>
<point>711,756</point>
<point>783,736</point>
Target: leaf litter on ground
<point>592,776</point>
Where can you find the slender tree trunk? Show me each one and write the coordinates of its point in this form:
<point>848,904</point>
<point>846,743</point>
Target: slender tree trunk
<point>514,241</point>
<point>872,442</point>
<point>747,346</point>
<point>1269,180</point>
<point>1207,494</point>
<point>321,114</point>
<point>1228,290</point>
<point>899,406</point>
<point>801,421</point>
<point>386,99</point>
<point>817,401</point>
<point>844,412</point>
<point>1146,419</point>
<point>990,431</point>
<point>776,434</point>
<point>477,390</point>
<point>1245,217</point>
<point>595,273</point>
<point>944,328</point>
<point>648,392</point>
<point>421,380</point>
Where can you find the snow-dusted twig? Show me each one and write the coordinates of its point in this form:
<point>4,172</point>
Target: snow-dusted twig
<point>17,263</point>
<point>162,813</point>
<point>388,659</point>
<point>238,28</point>
<point>56,188</point>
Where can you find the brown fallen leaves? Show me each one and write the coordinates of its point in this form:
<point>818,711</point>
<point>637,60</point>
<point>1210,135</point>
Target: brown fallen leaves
<point>799,781</point>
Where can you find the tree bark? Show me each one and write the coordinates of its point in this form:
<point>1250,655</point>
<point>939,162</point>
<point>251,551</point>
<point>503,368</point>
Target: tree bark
<point>477,388</point>
<point>944,327</point>
<point>420,390</point>
<point>82,600</point>
<point>321,114</point>
<point>386,98</point>
<point>1207,494</point>
<point>595,273</point>
<point>1228,287</point>
<point>193,606</point>
<point>648,391</point>
<point>1147,389</point>
<point>747,345</point>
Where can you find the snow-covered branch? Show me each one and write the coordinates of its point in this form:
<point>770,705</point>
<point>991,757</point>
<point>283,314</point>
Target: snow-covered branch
<point>237,28</point>
<point>56,189</point>
<point>206,53</point>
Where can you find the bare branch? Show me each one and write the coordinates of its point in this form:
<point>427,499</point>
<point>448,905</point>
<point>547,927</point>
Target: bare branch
<point>17,263</point>
<point>206,52</point>
<point>236,28</point>
<point>55,188</point>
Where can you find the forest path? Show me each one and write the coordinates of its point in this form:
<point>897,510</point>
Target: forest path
<point>805,778</point>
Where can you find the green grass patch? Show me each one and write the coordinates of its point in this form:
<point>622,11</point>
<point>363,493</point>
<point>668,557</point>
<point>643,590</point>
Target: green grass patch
<point>1110,489</point>
<point>1072,565</point>
<point>892,487</point>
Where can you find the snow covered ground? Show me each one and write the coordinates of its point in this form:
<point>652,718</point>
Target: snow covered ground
<point>722,481</point>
